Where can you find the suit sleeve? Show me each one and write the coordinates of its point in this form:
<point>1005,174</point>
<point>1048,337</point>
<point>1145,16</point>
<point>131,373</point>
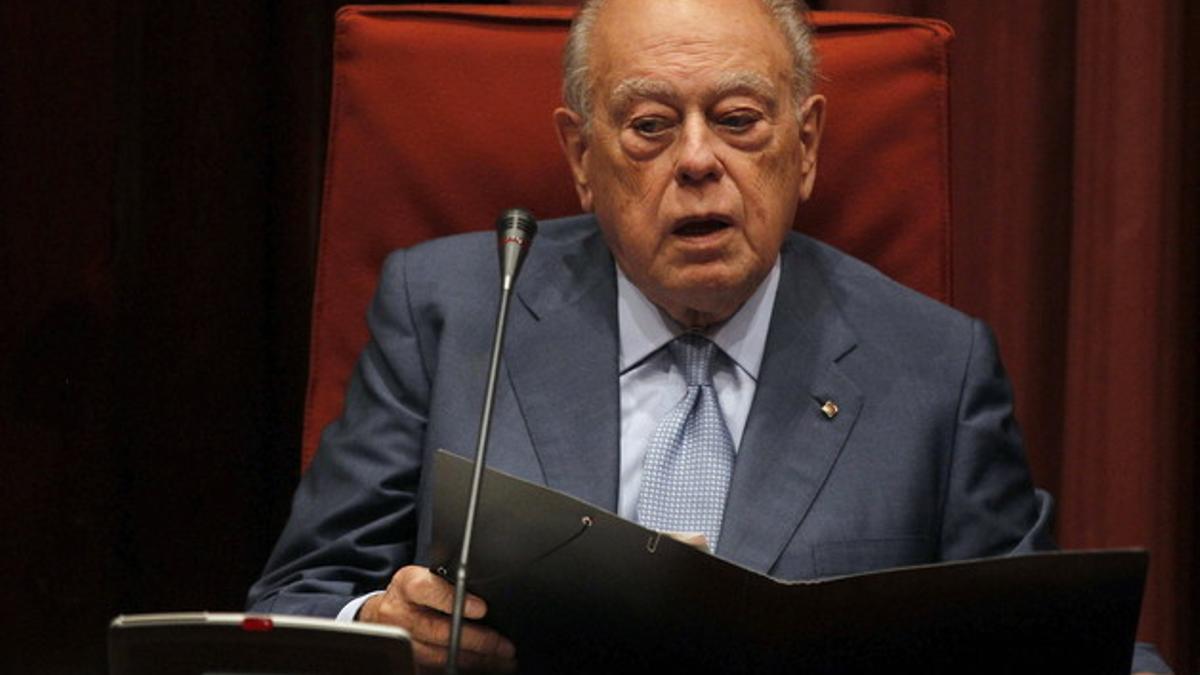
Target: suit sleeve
<point>991,507</point>
<point>354,520</point>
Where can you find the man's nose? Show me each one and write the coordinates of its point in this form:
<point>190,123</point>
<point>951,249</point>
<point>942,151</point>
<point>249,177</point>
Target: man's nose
<point>697,161</point>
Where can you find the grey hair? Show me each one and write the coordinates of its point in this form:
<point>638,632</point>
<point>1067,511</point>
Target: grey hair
<point>788,14</point>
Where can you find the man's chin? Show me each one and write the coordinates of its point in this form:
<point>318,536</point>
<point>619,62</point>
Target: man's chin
<point>706,297</point>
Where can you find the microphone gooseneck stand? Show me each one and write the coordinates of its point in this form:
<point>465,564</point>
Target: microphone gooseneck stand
<point>515,231</point>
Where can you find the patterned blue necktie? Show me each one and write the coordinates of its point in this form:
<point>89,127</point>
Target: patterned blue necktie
<point>690,457</point>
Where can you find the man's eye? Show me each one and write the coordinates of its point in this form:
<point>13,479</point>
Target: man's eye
<point>739,122</point>
<point>650,126</point>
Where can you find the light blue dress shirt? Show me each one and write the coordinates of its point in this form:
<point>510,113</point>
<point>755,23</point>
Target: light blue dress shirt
<point>651,384</point>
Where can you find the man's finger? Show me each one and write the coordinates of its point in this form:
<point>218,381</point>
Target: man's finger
<point>421,602</point>
<point>487,642</point>
<point>433,628</point>
<point>432,658</point>
<point>422,587</point>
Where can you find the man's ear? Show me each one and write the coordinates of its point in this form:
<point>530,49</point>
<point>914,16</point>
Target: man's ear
<point>812,123</point>
<point>573,140</point>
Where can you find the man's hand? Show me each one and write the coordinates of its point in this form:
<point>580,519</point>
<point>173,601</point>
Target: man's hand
<point>420,602</point>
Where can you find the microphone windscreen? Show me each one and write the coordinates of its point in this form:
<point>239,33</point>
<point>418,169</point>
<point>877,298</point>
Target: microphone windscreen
<point>515,229</point>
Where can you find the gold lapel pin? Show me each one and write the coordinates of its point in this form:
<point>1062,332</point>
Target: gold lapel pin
<point>830,409</point>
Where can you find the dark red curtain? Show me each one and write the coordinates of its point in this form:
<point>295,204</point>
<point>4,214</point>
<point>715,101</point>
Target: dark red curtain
<point>1075,155</point>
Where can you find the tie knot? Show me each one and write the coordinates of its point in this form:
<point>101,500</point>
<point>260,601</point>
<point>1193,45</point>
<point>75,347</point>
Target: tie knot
<point>694,356</point>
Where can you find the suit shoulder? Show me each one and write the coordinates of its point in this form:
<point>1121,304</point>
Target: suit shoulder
<point>878,306</point>
<point>462,270</point>
<point>473,254</point>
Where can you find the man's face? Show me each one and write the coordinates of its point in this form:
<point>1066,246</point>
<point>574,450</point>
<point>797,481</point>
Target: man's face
<point>695,159</point>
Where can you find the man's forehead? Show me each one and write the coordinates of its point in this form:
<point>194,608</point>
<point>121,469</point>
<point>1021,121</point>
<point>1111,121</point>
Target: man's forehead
<point>733,83</point>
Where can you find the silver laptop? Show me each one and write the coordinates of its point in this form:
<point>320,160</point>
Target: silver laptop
<point>204,643</point>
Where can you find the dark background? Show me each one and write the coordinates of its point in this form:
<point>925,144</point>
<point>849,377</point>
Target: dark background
<point>161,168</point>
<point>160,174</point>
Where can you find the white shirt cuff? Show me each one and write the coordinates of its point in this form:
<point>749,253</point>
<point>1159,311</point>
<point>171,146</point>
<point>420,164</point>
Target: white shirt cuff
<point>350,611</point>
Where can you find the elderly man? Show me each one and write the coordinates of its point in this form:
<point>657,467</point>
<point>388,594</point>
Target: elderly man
<point>678,356</point>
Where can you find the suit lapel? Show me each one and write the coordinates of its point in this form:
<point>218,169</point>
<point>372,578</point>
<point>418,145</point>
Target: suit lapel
<point>790,445</point>
<point>561,357</point>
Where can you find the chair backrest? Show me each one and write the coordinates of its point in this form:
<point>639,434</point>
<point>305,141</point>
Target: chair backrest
<point>441,119</point>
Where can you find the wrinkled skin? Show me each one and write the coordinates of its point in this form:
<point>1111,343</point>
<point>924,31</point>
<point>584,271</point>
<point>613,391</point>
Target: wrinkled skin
<point>695,155</point>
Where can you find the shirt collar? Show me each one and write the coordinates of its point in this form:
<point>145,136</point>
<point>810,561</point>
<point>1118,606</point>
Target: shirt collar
<point>644,328</point>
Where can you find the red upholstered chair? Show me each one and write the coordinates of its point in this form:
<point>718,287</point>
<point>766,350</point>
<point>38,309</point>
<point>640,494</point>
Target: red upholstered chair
<point>441,119</point>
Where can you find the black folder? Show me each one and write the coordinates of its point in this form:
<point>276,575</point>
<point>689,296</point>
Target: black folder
<point>580,590</point>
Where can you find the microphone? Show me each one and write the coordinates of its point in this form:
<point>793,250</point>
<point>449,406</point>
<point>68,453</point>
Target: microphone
<point>515,229</point>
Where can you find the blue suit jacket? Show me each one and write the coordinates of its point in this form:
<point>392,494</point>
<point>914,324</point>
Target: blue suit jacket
<point>922,463</point>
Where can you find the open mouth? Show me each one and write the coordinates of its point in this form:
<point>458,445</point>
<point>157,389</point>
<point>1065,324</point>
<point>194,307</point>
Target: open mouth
<point>700,227</point>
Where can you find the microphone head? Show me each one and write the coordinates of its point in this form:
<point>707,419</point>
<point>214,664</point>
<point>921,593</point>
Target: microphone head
<point>515,229</point>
